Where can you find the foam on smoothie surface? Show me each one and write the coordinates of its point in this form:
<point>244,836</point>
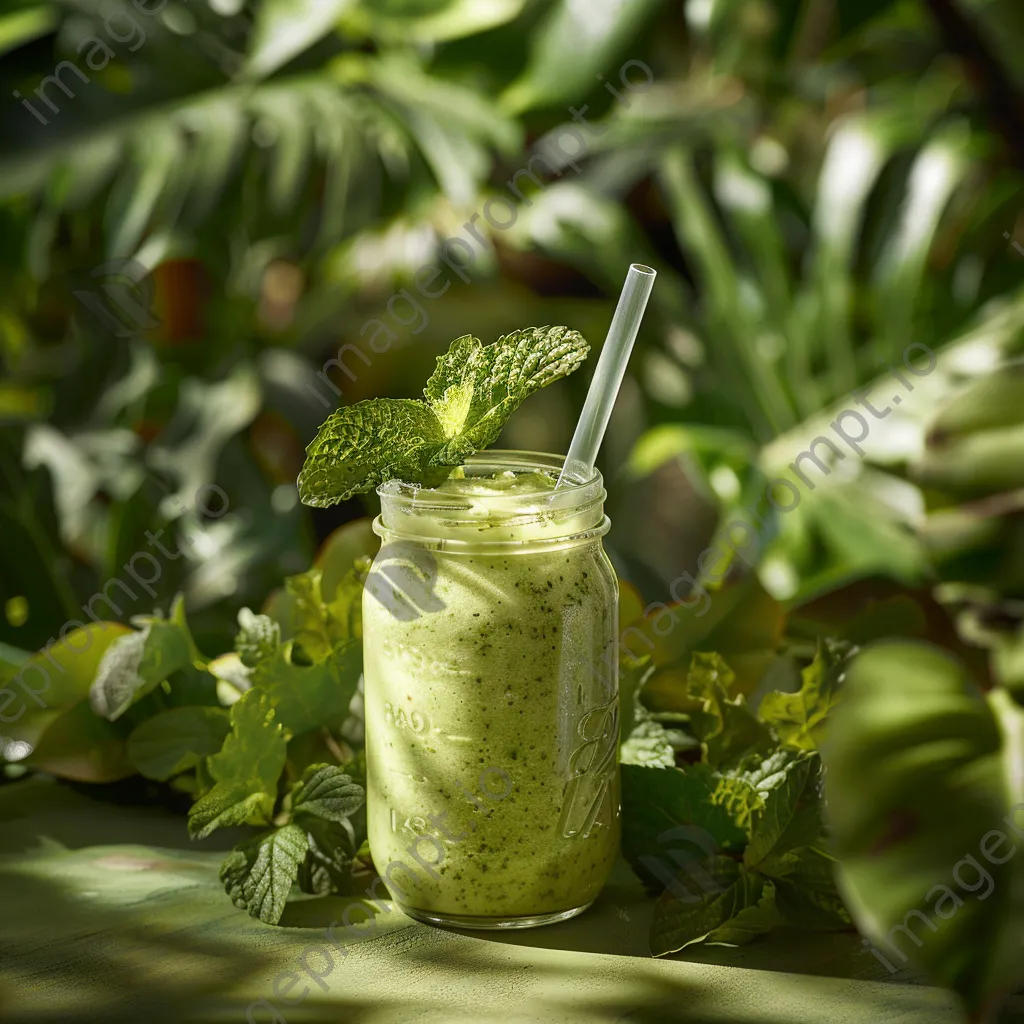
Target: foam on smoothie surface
<point>503,483</point>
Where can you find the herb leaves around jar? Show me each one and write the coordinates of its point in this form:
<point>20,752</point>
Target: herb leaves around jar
<point>732,844</point>
<point>266,735</point>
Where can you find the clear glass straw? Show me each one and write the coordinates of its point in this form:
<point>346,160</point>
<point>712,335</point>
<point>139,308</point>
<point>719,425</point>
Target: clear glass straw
<point>611,367</point>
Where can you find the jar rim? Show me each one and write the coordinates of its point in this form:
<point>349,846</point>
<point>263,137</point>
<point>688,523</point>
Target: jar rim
<point>572,494</point>
<point>573,510</point>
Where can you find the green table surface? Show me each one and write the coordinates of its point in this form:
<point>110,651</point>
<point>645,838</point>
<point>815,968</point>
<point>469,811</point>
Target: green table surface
<point>108,913</point>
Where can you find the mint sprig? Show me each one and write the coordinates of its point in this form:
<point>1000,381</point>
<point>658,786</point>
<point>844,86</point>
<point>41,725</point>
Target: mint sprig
<point>315,849</point>
<point>467,401</point>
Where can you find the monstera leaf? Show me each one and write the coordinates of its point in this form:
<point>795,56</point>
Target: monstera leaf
<point>925,792</point>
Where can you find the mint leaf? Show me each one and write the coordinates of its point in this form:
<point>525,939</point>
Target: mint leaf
<point>678,923</point>
<point>327,792</point>
<point>363,445</point>
<point>135,664</point>
<point>790,817</point>
<point>328,863</point>
<point>258,874</point>
<point>244,772</point>
<point>475,387</point>
<point>229,803</point>
<point>727,729</point>
<point>469,397</point>
<point>176,740</point>
<point>797,718</point>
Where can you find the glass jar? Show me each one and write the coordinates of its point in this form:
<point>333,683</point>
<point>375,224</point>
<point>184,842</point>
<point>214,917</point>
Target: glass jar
<point>491,688</point>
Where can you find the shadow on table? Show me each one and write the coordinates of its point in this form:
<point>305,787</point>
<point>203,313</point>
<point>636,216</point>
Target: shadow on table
<point>78,816</point>
<point>132,934</point>
<point>66,956</point>
<point>620,920</point>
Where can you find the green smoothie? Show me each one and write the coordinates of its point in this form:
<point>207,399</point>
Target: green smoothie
<point>491,698</point>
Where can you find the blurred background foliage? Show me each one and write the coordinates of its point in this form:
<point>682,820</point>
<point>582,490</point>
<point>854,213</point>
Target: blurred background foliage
<point>819,184</point>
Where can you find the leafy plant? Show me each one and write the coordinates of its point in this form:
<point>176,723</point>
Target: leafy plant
<point>255,736</point>
<point>734,842</point>
<point>314,846</point>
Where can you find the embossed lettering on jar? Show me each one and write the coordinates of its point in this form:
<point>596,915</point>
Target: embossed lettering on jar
<point>490,621</point>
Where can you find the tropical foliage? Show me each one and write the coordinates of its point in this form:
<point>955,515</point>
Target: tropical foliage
<point>215,220</point>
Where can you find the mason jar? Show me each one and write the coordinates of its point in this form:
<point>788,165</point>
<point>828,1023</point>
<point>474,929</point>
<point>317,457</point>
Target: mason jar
<point>491,690</point>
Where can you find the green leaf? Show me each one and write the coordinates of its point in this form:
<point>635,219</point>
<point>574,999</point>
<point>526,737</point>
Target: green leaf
<point>797,718</point>
<point>328,863</point>
<point>571,45</point>
<point>472,392</point>
<point>323,606</point>
<point>790,817</point>
<point>648,744</point>
<point>674,817</point>
<point>11,660</point>
<point>769,773</point>
<point>53,682</point>
<point>208,415</point>
<point>245,771</point>
<point>805,891</point>
<point>136,664</point>
<point>475,387</point>
<point>922,774</point>
<point>309,697</point>
<point>80,745</point>
<point>363,445</point>
<point>176,740</point>
<point>678,924</point>
<point>20,27</point>
<point>743,624</point>
<point>397,20</point>
<point>750,922</point>
<point>258,874</point>
<point>727,729</point>
<point>340,552</point>
<point>259,637</point>
<point>327,792</point>
<point>229,803</point>
<point>284,28</point>
<point>316,627</point>
<point>455,125</point>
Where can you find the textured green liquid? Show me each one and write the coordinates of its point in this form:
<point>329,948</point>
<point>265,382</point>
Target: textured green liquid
<point>497,715</point>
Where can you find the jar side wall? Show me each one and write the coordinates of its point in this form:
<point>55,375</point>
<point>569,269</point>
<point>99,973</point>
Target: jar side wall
<point>491,712</point>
